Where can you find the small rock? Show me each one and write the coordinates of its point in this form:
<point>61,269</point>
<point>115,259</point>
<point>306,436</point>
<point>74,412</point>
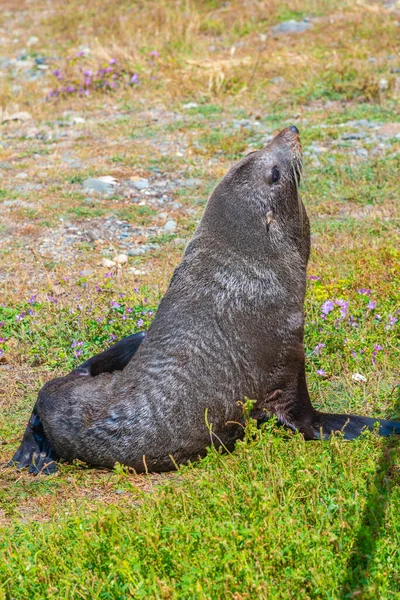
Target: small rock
<point>292,26</point>
<point>170,225</point>
<point>106,262</point>
<point>383,84</point>
<point>192,182</point>
<point>103,185</point>
<point>21,176</point>
<point>358,377</point>
<point>135,271</point>
<point>32,40</point>
<point>78,120</point>
<point>17,116</point>
<point>141,184</point>
<point>362,152</point>
<point>357,135</point>
<point>190,105</point>
<point>121,259</point>
<point>277,80</point>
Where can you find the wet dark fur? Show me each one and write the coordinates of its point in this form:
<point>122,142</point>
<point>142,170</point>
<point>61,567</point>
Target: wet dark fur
<point>229,327</point>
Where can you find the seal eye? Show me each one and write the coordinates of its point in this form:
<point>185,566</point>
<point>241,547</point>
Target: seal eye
<point>276,175</point>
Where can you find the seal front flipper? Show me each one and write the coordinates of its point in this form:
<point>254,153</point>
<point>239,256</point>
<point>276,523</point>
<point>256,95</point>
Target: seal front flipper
<point>35,450</point>
<point>114,358</point>
<point>351,425</point>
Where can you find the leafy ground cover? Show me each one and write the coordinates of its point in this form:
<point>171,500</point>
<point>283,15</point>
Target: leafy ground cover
<point>197,85</point>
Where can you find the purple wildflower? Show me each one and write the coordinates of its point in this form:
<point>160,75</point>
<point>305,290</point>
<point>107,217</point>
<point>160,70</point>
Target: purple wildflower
<point>364,291</point>
<point>318,348</point>
<point>314,278</point>
<point>32,299</point>
<point>88,73</point>
<point>377,348</point>
<point>378,317</point>
<point>2,340</point>
<point>112,337</point>
<point>115,304</point>
<point>392,321</point>
<point>113,61</point>
<point>77,353</point>
<point>76,344</point>
<point>154,53</point>
<point>57,73</point>
<point>371,305</point>
<point>327,307</point>
<point>20,317</point>
<point>344,307</point>
<point>134,78</point>
<point>321,373</point>
<point>140,323</point>
<point>1,353</point>
<point>80,54</point>
<point>70,89</point>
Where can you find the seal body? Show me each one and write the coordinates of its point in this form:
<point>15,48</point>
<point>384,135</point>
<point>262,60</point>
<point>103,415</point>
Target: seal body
<point>229,327</point>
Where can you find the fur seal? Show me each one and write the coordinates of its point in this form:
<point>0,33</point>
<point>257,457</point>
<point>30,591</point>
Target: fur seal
<point>230,326</point>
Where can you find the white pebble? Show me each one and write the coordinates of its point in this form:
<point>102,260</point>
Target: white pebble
<point>358,377</point>
<point>121,259</point>
<point>106,262</point>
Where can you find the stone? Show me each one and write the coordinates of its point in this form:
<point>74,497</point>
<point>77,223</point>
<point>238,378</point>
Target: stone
<point>17,116</point>
<point>383,84</point>
<point>169,226</point>
<point>106,262</point>
<point>292,26</point>
<point>141,184</point>
<point>362,152</point>
<point>358,135</point>
<point>358,377</point>
<point>32,40</point>
<point>192,182</point>
<point>104,185</point>
<point>121,259</point>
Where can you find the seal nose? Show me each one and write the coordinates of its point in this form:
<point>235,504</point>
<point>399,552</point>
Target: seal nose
<point>294,129</point>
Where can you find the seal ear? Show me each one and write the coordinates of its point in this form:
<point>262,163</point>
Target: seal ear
<point>270,218</point>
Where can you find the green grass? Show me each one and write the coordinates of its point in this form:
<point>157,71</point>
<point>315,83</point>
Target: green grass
<point>279,519</point>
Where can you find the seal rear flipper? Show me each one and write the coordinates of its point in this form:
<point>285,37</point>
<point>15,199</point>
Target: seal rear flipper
<point>352,425</point>
<point>114,358</point>
<point>35,450</point>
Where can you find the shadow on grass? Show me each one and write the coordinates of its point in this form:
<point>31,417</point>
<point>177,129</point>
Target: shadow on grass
<point>372,521</point>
